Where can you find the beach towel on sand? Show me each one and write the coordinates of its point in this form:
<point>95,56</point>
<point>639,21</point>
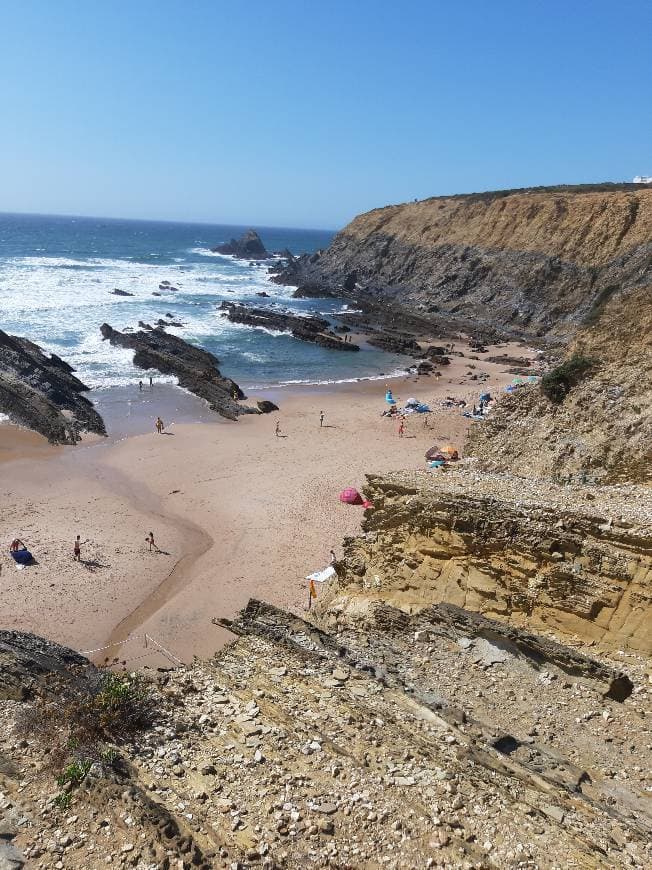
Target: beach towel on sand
<point>323,575</point>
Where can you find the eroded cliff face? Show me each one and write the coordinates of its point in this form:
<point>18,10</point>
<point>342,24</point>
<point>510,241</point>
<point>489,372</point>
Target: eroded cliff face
<point>602,430</point>
<point>528,262</point>
<point>565,559</point>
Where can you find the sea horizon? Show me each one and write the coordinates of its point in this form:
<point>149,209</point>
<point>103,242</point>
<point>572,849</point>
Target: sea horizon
<point>58,275</point>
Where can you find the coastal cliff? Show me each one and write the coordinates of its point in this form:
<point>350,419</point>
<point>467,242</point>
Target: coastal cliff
<point>527,263</point>
<point>598,428</point>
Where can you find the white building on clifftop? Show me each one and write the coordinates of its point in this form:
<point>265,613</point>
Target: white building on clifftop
<point>643,179</point>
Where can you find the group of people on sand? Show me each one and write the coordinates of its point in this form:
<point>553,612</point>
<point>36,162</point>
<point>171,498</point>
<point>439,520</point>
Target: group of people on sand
<point>17,545</point>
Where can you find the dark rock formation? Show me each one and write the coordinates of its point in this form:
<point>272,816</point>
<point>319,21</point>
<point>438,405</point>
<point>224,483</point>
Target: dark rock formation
<point>41,393</point>
<point>195,368</point>
<point>314,329</point>
<point>267,407</point>
<point>118,292</point>
<point>25,657</point>
<point>404,344</point>
<point>313,291</point>
<point>248,247</point>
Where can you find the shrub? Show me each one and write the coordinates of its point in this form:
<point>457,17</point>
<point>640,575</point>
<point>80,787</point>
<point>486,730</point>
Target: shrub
<point>558,382</point>
<point>79,713</point>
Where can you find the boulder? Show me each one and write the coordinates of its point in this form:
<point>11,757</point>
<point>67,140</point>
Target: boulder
<point>267,407</point>
<point>118,292</point>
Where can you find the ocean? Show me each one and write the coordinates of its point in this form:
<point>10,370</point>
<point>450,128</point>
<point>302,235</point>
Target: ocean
<point>57,274</point>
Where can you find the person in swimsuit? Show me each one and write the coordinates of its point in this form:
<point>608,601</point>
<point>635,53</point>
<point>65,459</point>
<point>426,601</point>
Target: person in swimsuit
<point>159,425</point>
<point>401,428</point>
<point>77,549</point>
<point>152,544</point>
<point>321,419</point>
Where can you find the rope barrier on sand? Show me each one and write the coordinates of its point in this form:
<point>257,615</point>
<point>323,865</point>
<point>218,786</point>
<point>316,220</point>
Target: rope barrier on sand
<point>146,637</point>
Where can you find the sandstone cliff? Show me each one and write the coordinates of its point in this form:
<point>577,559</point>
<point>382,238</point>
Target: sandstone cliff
<point>525,262</point>
<point>601,431</point>
<point>573,560</point>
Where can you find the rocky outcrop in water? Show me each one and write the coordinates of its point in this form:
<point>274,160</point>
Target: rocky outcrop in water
<point>316,330</point>
<point>523,262</point>
<point>42,393</point>
<point>195,368</point>
<point>248,247</point>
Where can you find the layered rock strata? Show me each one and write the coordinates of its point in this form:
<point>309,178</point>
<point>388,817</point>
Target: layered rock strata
<point>316,330</point>
<point>568,560</point>
<point>525,262</point>
<point>195,368</point>
<point>42,393</point>
<point>391,741</point>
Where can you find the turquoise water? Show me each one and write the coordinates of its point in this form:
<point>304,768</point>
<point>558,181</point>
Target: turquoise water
<point>57,274</point>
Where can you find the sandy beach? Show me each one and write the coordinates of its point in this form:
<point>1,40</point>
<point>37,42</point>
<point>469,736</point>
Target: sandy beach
<point>236,511</point>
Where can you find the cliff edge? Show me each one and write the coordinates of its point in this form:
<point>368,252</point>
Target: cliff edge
<point>525,263</point>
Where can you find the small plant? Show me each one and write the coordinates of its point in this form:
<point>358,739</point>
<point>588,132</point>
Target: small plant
<point>557,383</point>
<point>74,773</point>
<point>79,714</point>
<point>63,800</point>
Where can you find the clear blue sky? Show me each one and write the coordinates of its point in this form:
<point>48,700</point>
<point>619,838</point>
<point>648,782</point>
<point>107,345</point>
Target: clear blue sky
<point>281,112</point>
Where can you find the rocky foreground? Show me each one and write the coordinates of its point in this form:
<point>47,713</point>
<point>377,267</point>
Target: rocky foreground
<point>40,391</point>
<point>440,739</point>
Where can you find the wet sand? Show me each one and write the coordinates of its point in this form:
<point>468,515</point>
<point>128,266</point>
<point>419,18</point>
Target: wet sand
<point>236,511</point>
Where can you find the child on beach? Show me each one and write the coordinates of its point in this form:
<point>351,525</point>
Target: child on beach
<point>77,549</point>
<point>159,425</point>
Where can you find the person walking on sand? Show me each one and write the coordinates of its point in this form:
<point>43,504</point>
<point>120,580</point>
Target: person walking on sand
<point>321,419</point>
<point>151,381</point>
<point>401,428</point>
<point>152,544</point>
<point>277,431</point>
<point>77,549</point>
<point>140,386</point>
<point>159,426</point>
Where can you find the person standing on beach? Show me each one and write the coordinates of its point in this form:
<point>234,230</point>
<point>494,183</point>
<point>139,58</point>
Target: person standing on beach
<point>151,381</point>
<point>159,426</point>
<point>321,419</point>
<point>77,549</point>
<point>152,544</point>
<point>401,427</point>
<point>277,431</point>
<point>140,386</point>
